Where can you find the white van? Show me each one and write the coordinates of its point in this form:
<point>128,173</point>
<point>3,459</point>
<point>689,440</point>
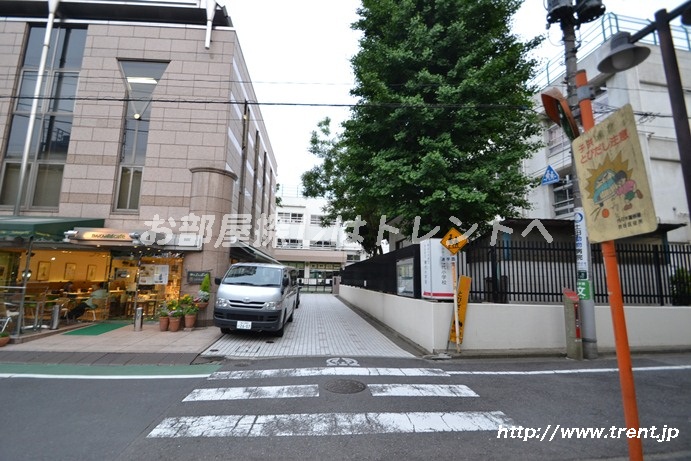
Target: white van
<point>257,297</point>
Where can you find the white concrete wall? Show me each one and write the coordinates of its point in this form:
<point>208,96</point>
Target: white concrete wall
<point>517,327</point>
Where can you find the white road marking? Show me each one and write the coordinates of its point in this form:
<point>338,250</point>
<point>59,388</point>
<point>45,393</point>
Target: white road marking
<point>324,424</point>
<point>108,377</point>
<point>327,371</point>
<point>421,390</point>
<point>242,393</point>
<point>568,372</point>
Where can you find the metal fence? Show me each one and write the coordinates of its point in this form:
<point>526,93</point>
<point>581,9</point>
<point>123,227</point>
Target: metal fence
<point>537,272</point>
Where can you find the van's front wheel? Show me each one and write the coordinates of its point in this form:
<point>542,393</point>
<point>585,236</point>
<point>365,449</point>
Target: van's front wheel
<point>279,333</point>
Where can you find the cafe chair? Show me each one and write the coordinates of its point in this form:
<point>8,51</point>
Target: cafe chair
<point>100,312</point>
<point>6,317</point>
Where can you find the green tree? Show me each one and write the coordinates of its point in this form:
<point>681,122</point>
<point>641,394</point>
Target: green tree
<point>443,121</point>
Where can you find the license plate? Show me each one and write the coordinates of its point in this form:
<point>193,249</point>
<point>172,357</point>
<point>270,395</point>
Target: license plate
<point>244,325</point>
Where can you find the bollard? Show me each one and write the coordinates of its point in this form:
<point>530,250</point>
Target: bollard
<point>55,317</point>
<point>138,318</point>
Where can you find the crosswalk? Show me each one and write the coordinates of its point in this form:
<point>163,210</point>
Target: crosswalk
<point>327,423</point>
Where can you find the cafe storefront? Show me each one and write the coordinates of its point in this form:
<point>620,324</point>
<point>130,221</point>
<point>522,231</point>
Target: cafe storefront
<point>34,273</point>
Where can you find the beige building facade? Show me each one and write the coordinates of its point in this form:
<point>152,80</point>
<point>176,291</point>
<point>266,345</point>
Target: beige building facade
<point>146,126</point>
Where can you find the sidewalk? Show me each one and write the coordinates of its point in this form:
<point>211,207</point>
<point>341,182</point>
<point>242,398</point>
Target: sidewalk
<point>122,346</point>
<point>323,327</point>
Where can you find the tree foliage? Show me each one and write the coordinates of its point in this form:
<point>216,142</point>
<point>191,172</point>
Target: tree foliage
<point>442,123</point>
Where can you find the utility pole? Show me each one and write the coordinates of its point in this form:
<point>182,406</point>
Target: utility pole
<point>569,17</point>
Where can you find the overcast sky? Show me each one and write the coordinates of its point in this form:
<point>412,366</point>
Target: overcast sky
<point>298,52</point>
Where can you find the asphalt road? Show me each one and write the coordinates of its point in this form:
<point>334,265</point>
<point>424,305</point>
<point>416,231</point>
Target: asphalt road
<point>352,408</point>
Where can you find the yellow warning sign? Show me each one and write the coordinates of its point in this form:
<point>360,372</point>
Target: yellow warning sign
<point>456,334</point>
<point>454,240</point>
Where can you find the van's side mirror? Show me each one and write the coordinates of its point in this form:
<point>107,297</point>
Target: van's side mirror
<point>286,281</point>
<point>217,280</point>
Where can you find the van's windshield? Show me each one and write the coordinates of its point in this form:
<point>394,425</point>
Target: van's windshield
<point>254,276</point>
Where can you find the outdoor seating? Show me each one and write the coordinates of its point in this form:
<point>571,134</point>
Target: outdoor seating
<point>6,317</point>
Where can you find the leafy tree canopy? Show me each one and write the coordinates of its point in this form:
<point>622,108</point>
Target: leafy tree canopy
<point>442,123</point>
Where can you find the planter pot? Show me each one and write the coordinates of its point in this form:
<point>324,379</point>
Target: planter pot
<point>190,320</point>
<point>203,304</point>
<point>4,340</point>
<point>163,323</point>
<point>174,324</point>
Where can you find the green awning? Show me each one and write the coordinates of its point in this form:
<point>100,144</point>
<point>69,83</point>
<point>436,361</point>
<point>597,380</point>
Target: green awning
<point>43,227</point>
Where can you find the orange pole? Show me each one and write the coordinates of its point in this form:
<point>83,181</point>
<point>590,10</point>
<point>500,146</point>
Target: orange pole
<point>616,304</point>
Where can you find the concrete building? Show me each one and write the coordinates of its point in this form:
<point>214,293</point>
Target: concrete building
<point>148,148</point>
<point>317,251</point>
<point>645,88</point>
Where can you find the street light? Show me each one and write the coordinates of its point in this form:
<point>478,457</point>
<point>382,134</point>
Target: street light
<point>624,55</point>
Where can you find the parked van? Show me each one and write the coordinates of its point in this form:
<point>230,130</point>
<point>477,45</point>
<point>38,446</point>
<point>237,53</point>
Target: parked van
<point>257,297</point>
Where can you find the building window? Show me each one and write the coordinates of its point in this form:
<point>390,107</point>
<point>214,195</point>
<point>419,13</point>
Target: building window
<point>141,78</point>
<point>53,123</point>
<point>322,244</point>
<point>563,197</point>
<point>290,218</point>
<point>289,243</point>
<point>557,141</point>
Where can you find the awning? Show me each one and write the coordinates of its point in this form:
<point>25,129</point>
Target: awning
<point>42,228</point>
<point>245,253</point>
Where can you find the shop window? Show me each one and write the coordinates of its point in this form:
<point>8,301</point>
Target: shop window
<point>141,78</point>
<point>53,123</point>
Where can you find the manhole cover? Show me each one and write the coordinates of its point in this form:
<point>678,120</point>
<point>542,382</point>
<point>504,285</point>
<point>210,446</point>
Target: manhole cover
<point>345,386</point>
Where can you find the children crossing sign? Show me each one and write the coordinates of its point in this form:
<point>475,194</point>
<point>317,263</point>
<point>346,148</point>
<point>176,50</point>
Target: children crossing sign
<point>454,240</point>
<point>550,176</point>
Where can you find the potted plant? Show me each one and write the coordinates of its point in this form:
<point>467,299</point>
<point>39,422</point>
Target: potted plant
<point>202,299</point>
<point>163,319</point>
<point>4,338</point>
<point>190,315</point>
<point>175,314</point>
<point>175,320</point>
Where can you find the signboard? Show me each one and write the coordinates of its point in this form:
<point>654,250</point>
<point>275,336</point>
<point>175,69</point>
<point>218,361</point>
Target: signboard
<point>153,274</point>
<point>194,277</point>
<point>614,183</point>
<point>550,176</point>
<point>435,266</point>
<point>454,240</point>
<point>582,263</point>
<point>456,333</point>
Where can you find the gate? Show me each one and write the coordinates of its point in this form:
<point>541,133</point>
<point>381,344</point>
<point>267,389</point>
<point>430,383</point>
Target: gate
<point>316,285</point>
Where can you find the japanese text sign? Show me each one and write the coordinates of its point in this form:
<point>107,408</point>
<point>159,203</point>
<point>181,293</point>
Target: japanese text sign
<point>614,183</point>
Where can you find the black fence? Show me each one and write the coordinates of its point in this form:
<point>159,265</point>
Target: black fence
<point>380,272</point>
<point>537,272</point>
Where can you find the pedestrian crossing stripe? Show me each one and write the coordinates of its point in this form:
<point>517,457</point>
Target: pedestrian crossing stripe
<point>243,393</point>
<point>327,371</point>
<point>312,390</point>
<point>328,424</point>
<point>420,390</point>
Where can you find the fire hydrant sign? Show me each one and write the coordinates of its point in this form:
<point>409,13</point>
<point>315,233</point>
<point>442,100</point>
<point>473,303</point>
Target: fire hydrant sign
<point>614,183</point>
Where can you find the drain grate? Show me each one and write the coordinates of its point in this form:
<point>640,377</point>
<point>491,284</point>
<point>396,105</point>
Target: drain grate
<point>345,386</point>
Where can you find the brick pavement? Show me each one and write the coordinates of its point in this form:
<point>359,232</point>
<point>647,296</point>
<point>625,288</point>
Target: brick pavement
<point>322,326</point>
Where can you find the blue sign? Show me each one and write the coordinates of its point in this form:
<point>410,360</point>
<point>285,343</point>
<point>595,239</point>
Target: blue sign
<point>550,176</point>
